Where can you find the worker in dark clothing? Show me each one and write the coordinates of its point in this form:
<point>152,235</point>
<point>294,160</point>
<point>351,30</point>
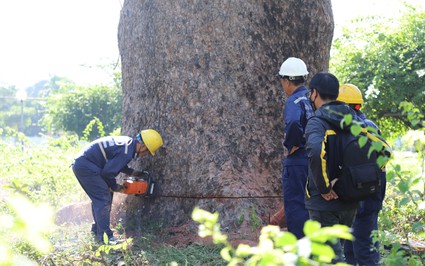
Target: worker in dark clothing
<point>293,74</point>
<point>321,200</point>
<point>363,251</point>
<point>100,162</point>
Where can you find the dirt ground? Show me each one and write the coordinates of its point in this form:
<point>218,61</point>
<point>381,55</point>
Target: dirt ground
<point>178,236</point>
<point>183,236</point>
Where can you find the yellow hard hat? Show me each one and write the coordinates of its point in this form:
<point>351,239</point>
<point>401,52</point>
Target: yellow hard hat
<point>350,94</point>
<point>152,139</point>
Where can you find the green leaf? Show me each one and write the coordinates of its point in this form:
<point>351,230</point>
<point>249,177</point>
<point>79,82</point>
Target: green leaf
<point>225,253</point>
<point>105,239</point>
<point>390,176</point>
<point>203,216</point>
<point>397,168</point>
<point>416,180</point>
<point>403,187</point>
<point>285,239</point>
<point>311,227</point>
<point>377,145</point>
<point>362,141</point>
<point>348,119</point>
<point>243,250</point>
<point>404,201</point>
<point>355,129</point>
<point>415,122</point>
<point>372,129</point>
<point>323,252</point>
<point>382,160</point>
<point>418,226</point>
<point>337,231</point>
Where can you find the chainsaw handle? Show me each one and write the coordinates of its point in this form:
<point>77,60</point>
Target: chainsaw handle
<point>140,175</point>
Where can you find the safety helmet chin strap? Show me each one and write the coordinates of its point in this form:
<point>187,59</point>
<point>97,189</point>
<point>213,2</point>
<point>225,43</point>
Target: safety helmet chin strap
<point>140,141</point>
<point>139,138</point>
<point>312,103</point>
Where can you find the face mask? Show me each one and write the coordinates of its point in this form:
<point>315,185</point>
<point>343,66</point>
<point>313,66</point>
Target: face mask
<point>312,104</point>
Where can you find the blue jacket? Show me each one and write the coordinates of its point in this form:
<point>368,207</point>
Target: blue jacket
<point>108,156</point>
<point>296,113</point>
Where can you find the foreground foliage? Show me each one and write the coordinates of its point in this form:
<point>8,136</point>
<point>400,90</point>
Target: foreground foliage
<point>275,247</point>
<point>24,227</point>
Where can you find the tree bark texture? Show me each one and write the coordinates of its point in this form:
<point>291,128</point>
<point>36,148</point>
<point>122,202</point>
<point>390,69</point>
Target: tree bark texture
<point>202,73</point>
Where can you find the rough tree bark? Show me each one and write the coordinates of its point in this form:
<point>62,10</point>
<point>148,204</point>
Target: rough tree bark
<point>203,74</point>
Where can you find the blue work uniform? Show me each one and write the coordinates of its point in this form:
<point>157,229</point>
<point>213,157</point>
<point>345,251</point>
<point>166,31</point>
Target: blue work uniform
<point>96,167</point>
<point>363,251</point>
<point>295,166</point>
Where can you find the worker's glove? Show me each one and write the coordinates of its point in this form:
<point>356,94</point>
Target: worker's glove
<point>118,188</point>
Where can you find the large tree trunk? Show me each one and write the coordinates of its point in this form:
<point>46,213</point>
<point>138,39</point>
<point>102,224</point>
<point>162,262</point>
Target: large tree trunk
<point>203,74</point>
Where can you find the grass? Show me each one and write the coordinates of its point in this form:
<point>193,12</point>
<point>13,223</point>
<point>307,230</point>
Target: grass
<point>74,245</point>
<point>195,254</point>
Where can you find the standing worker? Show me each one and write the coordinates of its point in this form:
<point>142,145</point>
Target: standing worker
<point>293,74</point>
<point>363,251</point>
<point>322,202</point>
<point>100,162</point>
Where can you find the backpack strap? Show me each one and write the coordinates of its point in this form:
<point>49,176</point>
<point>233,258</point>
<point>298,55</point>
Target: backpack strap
<point>377,138</point>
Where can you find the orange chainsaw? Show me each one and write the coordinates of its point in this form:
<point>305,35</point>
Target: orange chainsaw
<point>139,186</point>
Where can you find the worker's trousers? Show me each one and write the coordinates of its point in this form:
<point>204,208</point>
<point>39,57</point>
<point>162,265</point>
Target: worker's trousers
<point>98,191</point>
<point>330,218</point>
<point>363,251</point>
<point>294,179</point>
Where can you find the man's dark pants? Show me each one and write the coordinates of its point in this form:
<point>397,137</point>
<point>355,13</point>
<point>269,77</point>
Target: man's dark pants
<point>360,252</point>
<point>99,193</point>
<point>330,218</point>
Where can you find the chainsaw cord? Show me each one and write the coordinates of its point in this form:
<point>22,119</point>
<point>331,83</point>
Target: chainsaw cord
<point>218,197</point>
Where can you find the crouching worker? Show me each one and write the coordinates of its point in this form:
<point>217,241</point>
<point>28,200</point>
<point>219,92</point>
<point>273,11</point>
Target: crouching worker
<point>100,162</point>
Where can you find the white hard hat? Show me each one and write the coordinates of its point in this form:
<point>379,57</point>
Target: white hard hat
<point>293,67</point>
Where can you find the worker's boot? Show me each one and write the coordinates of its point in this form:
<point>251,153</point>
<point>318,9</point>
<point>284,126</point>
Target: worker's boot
<point>94,229</point>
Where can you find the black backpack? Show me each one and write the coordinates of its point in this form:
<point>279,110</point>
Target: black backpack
<point>359,176</point>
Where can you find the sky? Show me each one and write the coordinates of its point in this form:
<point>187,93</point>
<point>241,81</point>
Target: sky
<point>70,38</point>
<point>42,38</point>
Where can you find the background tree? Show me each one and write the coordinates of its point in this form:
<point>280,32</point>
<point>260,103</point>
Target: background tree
<point>74,108</point>
<point>8,100</point>
<point>203,74</point>
<point>385,58</point>
<point>34,105</point>
<point>44,88</point>
<point>10,111</point>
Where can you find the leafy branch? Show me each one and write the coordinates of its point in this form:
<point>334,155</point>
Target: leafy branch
<point>275,247</point>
